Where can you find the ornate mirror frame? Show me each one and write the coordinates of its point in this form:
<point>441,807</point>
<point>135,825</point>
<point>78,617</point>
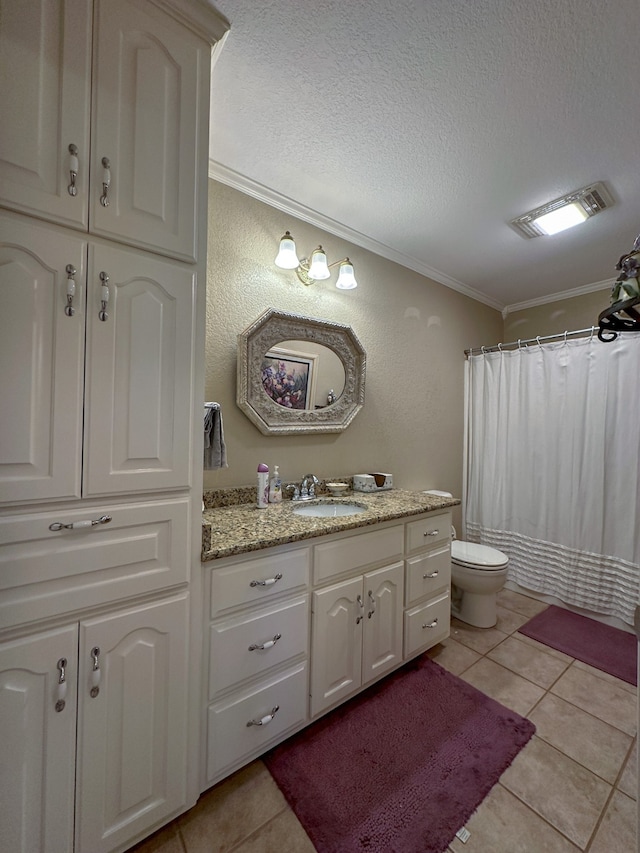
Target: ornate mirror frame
<point>270,329</point>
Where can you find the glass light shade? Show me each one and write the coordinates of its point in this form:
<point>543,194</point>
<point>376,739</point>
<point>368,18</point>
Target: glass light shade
<point>318,268</point>
<point>561,219</point>
<point>346,278</point>
<point>287,257</point>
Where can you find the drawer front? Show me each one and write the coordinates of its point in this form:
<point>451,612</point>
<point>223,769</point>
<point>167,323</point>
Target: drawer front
<point>431,530</point>
<point>231,741</point>
<point>44,573</point>
<point>233,657</point>
<point>254,581</point>
<point>332,559</point>
<point>427,574</point>
<point>426,625</point>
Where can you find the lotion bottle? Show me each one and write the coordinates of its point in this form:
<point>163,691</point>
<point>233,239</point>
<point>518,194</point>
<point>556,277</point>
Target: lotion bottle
<point>275,487</point>
<point>263,486</point>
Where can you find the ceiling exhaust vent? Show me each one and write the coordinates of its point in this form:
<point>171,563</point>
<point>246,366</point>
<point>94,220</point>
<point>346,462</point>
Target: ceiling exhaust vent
<point>582,204</point>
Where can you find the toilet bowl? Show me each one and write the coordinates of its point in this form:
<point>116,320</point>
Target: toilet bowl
<point>478,573</point>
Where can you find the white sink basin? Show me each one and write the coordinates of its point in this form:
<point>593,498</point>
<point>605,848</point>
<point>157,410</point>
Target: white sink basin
<point>328,510</point>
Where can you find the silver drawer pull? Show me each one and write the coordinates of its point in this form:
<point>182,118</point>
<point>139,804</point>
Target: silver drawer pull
<point>431,624</point>
<point>432,575</point>
<point>431,533</point>
<point>254,647</point>
<point>79,525</point>
<point>265,720</point>
<point>106,181</point>
<point>71,290</point>
<point>61,686</point>
<point>361,606</point>
<point>372,603</point>
<point>96,674</point>
<point>72,189</point>
<point>268,581</point>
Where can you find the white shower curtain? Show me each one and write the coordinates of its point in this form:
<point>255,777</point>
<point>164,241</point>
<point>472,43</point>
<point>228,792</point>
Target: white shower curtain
<point>553,467</point>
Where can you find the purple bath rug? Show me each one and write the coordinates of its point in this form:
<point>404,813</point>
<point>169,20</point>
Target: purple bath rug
<point>608,649</point>
<point>402,766</point>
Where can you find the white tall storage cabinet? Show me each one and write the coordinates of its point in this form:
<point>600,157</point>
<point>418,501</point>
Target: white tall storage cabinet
<point>103,199</point>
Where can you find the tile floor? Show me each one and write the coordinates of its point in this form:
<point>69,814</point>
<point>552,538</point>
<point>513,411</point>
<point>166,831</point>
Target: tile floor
<point>572,788</point>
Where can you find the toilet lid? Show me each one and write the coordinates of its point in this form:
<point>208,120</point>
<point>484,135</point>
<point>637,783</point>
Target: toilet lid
<point>480,556</point>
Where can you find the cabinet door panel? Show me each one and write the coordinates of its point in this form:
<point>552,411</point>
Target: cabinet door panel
<point>336,643</point>
<point>382,645</point>
<point>146,106</point>
<point>37,743</point>
<point>45,63</point>
<point>41,352</point>
<point>138,407</point>
<point>132,737</point>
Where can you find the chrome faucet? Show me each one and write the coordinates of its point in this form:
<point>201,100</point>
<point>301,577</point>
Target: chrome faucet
<point>308,486</point>
<point>306,491</point>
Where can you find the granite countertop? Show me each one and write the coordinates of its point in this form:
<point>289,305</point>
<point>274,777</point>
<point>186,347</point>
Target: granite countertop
<point>242,527</point>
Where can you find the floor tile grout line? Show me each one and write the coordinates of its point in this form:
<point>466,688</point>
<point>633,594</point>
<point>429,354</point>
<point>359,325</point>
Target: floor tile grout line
<point>539,816</point>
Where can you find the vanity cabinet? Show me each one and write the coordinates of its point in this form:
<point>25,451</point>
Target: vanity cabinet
<point>90,717</point>
<point>131,139</point>
<point>257,650</point>
<point>378,597</point>
<point>100,395</point>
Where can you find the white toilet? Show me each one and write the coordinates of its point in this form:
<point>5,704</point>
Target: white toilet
<point>478,573</point>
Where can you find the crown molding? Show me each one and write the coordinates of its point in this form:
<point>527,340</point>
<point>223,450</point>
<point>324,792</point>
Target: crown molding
<point>231,178</point>
<point>557,297</point>
<point>201,17</point>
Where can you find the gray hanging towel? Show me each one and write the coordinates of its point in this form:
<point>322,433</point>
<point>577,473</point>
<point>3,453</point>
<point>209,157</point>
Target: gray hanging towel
<point>215,452</point>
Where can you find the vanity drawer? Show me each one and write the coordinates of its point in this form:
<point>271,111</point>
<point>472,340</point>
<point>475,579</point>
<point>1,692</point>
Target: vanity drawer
<point>253,581</point>
<point>332,559</point>
<point>427,573</point>
<point>230,659</point>
<point>429,531</point>
<point>231,741</point>
<point>427,624</point>
<point>44,573</point>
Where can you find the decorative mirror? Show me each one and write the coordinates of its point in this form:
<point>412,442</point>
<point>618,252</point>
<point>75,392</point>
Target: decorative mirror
<point>298,375</point>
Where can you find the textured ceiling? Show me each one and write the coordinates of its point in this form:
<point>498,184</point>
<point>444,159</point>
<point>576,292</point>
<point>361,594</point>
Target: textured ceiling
<point>426,126</point>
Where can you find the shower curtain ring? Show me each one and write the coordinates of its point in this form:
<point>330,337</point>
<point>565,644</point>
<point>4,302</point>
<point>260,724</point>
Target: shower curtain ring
<point>538,339</point>
<point>565,335</point>
<point>500,347</point>
<point>519,347</point>
<point>483,350</point>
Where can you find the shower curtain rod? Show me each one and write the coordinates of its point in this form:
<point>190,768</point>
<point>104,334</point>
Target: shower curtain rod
<point>537,340</point>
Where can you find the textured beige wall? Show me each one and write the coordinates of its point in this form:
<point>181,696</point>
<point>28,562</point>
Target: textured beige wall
<point>414,332</point>
<point>553,318</point>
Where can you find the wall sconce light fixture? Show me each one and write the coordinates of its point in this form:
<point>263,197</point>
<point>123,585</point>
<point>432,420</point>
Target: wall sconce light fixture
<point>314,268</point>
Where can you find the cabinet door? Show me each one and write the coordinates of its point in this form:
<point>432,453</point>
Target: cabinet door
<point>44,104</point>
<point>382,645</point>
<point>150,89</point>
<point>138,404</point>
<point>336,646</point>
<point>37,743</point>
<point>42,358</point>
<point>132,736</point>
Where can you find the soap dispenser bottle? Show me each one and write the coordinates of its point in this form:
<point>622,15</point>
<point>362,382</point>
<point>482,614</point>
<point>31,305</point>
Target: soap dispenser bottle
<point>263,485</point>
<point>275,487</point>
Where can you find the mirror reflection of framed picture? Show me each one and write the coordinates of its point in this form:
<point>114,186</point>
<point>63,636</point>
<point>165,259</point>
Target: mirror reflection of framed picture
<point>289,378</point>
